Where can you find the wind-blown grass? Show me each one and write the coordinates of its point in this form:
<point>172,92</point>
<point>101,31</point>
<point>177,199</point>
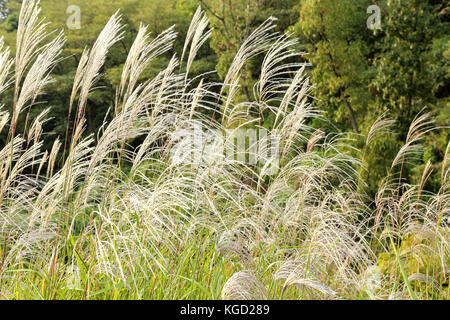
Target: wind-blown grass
<point>118,222</point>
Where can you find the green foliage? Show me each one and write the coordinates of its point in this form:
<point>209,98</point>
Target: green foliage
<point>360,74</point>
<point>408,63</point>
<point>420,262</point>
<point>338,46</point>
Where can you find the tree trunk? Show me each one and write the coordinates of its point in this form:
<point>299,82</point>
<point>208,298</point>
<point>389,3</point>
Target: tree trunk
<point>351,113</point>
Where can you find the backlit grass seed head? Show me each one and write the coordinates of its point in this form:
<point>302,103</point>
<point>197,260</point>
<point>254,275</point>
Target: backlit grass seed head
<point>244,285</point>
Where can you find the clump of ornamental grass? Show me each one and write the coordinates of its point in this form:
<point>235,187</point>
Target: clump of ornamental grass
<point>165,229</point>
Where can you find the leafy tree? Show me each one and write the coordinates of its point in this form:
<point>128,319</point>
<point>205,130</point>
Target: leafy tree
<point>411,71</point>
<point>360,74</point>
<point>339,45</point>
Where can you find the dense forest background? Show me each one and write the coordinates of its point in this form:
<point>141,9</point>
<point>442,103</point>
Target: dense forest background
<point>358,74</point>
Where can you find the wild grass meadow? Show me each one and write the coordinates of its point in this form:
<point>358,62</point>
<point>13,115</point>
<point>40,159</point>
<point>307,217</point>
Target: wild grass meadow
<point>101,217</point>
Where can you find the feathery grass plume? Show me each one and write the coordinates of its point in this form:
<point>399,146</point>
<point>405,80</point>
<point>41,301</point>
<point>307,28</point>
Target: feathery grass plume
<point>6,64</point>
<point>163,98</point>
<point>38,75</point>
<point>63,183</point>
<point>52,157</point>
<point>35,131</point>
<point>79,77</point>
<point>425,175</point>
<point>31,245</point>
<point>197,18</point>
<point>421,125</point>
<point>90,66</point>
<point>293,124</point>
<point>196,96</point>
<point>298,81</point>
<point>142,52</point>
<point>316,137</point>
<point>15,146</point>
<point>30,33</point>
<point>294,274</point>
<point>372,282</point>
<point>232,243</point>
<point>379,127</point>
<point>445,167</point>
<point>86,76</point>
<point>424,278</point>
<point>274,70</point>
<point>196,36</point>
<point>244,285</point>
<point>4,118</point>
<point>258,41</point>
